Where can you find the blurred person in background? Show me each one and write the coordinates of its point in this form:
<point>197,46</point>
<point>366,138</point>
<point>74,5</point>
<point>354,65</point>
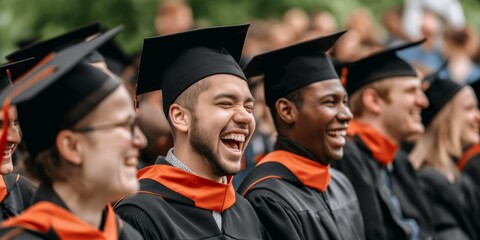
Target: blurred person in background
<point>173,16</point>
<point>16,191</point>
<point>469,162</point>
<point>297,20</point>
<point>386,99</point>
<point>83,151</point>
<point>459,47</point>
<point>452,123</point>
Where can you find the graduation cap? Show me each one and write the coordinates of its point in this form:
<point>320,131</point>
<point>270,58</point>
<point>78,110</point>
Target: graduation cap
<point>58,92</point>
<point>439,93</point>
<point>114,56</point>
<point>5,71</point>
<point>175,62</point>
<point>41,49</point>
<point>293,67</point>
<point>476,87</point>
<point>376,67</point>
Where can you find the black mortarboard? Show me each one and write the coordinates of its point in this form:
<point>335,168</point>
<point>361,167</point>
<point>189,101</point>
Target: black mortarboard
<point>58,92</point>
<point>175,62</point>
<point>115,57</point>
<point>6,68</point>
<point>439,93</point>
<point>293,67</point>
<point>42,48</point>
<point>376,67</point>
<point>476,87</point>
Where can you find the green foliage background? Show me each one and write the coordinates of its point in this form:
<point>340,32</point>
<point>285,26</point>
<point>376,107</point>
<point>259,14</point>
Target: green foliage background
<point>23,19</point>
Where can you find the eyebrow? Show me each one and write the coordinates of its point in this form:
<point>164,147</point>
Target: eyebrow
<point>233,97</point>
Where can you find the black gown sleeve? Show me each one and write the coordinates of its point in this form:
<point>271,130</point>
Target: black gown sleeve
<point>129,233</point>
<point>139,220</point>
<point>472,169</point>
<point>278,218</point>
<point>27,189</point>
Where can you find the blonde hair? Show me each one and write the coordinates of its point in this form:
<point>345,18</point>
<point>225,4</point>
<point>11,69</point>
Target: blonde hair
<point>439,143</point>
<point>381,87</point>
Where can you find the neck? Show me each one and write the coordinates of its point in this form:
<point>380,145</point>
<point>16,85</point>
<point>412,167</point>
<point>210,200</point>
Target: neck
<point>195,162</point>
<point>376,124</point>
<point>88,207</point>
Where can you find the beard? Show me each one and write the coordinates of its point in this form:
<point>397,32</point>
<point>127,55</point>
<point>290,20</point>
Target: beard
<point>201,144</point>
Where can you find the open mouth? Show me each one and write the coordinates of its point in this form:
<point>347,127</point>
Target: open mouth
<point>337,133</point>
<point>234,141</point>
<point>7,153</point>
<point>416,114</point>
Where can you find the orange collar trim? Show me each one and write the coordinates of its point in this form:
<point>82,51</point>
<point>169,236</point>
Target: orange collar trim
<point>467,156</point>
<point>383,149</point>
<point>312,174</point>
<point>3,189</point>
<point>203,192</point>
<point>44,216</point>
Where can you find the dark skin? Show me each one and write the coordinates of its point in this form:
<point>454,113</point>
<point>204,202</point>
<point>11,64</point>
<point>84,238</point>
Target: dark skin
<point>320,122</point>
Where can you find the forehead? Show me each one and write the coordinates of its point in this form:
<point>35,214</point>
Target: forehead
<point>324,88</point>
<point>226,83</point>
<point>466,94</point>
<point>116,105</point>
<point>404,81</point>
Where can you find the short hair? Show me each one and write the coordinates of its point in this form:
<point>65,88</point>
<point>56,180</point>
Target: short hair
<point>381,87</point>
<point>189,99</point>
<point>48,166</point>
<point>296,97</point>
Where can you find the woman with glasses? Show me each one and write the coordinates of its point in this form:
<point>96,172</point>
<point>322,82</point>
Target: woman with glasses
<point>80,130</point>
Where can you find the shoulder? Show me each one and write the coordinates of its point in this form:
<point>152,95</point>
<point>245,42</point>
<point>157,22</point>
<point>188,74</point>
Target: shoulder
<point>339,180</point>
<point>341,190</point>
<point>128,232</point>
<point>431,176</point>
<point>16,233</point>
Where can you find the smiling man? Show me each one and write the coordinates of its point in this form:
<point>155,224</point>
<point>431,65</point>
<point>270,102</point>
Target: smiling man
<point>188,194</point>
<point>293,190</point>
<point>386,99</point>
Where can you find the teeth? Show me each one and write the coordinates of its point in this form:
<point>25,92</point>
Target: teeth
<point>235,137</point>
<point>337,133</point>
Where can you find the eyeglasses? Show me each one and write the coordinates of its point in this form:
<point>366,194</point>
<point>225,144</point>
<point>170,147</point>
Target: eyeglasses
<point>130,124</point>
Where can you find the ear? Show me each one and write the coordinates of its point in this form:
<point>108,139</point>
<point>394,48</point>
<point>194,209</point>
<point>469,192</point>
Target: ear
<point>69,147</point>
<point>286,110</point>
<point>371,101</point>
<point>180,117</point>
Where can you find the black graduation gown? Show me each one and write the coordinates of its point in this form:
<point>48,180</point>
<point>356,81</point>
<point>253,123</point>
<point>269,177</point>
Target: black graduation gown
<point>288,209</point>
<point>456,206</point>
<point>469,163</point>
<point>18,192</point>
<point>45,219</point>
<point>367,177</point>
<point>158,212</point>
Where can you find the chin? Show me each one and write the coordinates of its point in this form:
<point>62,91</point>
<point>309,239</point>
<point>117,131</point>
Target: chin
<point>129,189</point>
<point>6,169</point>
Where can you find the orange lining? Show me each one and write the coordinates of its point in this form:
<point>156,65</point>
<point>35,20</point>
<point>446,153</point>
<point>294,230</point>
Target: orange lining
<point>5,125</point>
<point>383,149</point>
<point>312,174</point>
<point>472,151</point>
<point>343,76</point>
<point>203,192</point>
<point>259,180</point>
<point>44,216</point>
<point>44,61</point>
<point>3,189</point>
<point>19,88</point>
